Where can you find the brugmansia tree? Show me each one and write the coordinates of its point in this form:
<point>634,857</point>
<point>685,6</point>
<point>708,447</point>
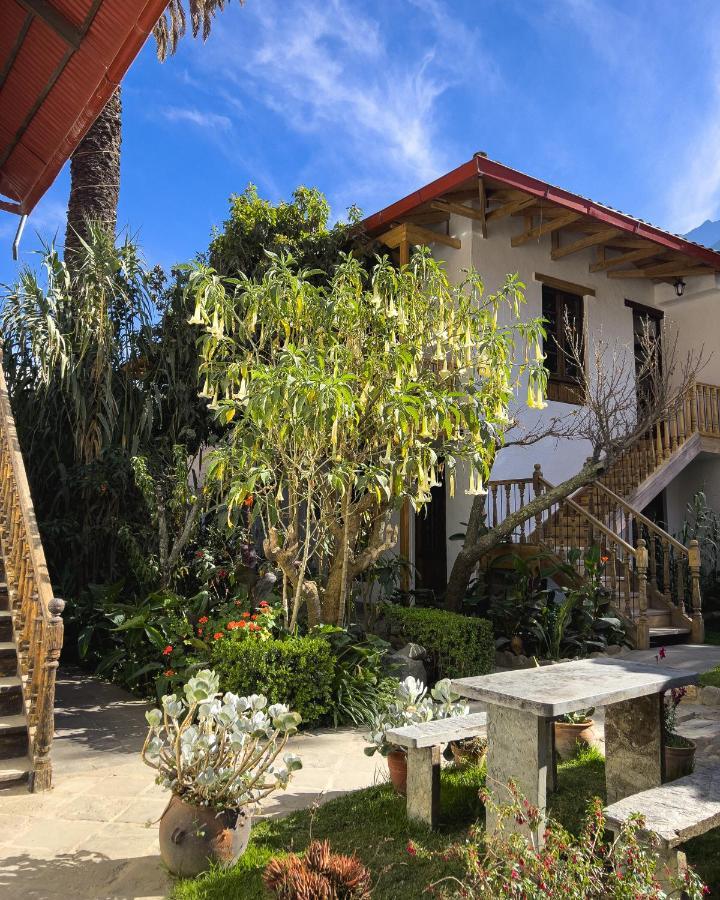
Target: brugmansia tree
<point>344,397</point>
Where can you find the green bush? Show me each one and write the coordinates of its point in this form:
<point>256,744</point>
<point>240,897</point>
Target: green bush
<point>298,671</point>
<point>459,646</point>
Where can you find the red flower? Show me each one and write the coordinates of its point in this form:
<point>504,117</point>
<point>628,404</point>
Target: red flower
<point>169,672</point>
<point>199,554</point>
<point>263,604</point>
<point>249,500</point>
<point>168,650</point>
<point>218,635</point>
<point>411,849</point>
<point>241,624</point>
<point>604,559</point>
<point>200,631</point>
<point>253,627</point>
<point>254,617</point>
<point>222,573</point>
<point>661,653</point>
<point>202,620</point>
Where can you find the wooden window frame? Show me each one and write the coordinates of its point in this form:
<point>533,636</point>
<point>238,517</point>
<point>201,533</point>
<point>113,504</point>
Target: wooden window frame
<point>561,387</point>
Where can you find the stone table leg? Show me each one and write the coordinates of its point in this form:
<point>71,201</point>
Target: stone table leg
<point>633,746</point>
<point>423,784</point>
<point>519,749</point>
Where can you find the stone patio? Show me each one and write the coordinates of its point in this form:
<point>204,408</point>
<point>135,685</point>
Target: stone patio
<point>89,839</point>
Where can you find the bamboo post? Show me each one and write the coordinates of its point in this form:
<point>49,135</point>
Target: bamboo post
<point>642,632</point>
<point>42,742</point>
<point>698,626</point>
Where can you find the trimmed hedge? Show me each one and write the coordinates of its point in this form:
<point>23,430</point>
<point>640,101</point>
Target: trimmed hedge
<point>298,671</point>
<point>458,645</point>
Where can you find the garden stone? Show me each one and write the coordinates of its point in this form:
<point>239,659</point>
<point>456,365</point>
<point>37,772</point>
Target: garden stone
<point>413,651</point>
<point>633,746</point>
<point>709,696</point>
<point>613,649</point>
<point>401,666</point>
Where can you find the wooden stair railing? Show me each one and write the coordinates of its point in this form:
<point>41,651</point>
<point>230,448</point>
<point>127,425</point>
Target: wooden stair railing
<point>37,625</point>
<point>642,563</point>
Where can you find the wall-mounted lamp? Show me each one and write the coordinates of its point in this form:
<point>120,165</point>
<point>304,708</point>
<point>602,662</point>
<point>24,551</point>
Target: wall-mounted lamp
<point>679,287</point>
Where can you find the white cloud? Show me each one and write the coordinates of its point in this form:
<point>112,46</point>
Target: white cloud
<point>328,70</point>
<point>201,118</point>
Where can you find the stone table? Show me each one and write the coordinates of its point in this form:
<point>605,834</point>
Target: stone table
<point>522,705</point>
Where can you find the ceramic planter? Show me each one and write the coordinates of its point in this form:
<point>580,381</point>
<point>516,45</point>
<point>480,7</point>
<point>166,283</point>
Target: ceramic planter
<point>679,761</point>
<point>397,766</point>
<point>194,837</point>
<point>569,734</point>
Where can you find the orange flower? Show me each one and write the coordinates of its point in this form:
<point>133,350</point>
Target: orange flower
<point>241,624</point>
<point>218,635</point>
<point>254,627</point>
<point>249,500</point>
<point>254,617</point>
<point>202,620</point>
<point>169,673</point>
<point>246,615</point>
<point>604,559</point>
<point>200,631</point>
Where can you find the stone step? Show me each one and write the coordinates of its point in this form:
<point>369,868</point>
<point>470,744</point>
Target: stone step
<point>8,658</point>
<point>11,700</point>
<point>6,625</point>
<point>14,770</point>
<point>13,736</point>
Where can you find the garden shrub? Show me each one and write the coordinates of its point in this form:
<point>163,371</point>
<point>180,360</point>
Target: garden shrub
<point>458,645</point>
<point>298,671</point>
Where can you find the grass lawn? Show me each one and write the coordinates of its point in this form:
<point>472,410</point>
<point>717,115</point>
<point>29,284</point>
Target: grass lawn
<point>711,678</point>
<point>372,823</point>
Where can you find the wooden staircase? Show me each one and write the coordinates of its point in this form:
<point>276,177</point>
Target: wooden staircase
<point>31,627</point>
<point>653,578</point>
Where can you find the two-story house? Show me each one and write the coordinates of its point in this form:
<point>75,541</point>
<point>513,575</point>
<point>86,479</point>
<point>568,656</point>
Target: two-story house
<point>612,274</point>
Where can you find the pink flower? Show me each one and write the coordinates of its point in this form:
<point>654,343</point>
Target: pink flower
<point>661,653</point>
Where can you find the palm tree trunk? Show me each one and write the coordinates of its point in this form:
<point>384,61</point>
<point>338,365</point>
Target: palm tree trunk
<point>95,177</point>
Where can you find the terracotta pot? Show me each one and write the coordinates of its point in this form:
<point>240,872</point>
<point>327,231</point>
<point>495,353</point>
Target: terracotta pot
<point>397,766</point>
<point>462,755</point>
<point>193,837</point>
<point>569,734</point>
<point>679,761</point>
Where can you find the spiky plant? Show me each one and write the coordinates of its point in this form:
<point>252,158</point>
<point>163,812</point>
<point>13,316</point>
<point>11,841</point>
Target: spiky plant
<point>318,875</point>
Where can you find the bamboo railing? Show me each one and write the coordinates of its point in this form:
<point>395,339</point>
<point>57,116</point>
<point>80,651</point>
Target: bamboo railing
<point>36,614</point>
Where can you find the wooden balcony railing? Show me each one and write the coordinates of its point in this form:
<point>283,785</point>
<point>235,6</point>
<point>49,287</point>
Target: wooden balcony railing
<point>36,614</point>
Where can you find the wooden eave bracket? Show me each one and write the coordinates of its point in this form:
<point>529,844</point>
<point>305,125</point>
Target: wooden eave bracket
<point>407,233</point>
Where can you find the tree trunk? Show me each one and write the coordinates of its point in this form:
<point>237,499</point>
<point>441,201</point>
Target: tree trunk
<point>95,177</point>
<point>476,545</point>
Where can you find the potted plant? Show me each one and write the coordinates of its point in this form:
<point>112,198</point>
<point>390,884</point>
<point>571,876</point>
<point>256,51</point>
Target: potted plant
<point>472,751</point>
<point>573,729</point>
<point>411,706</point>
<point>679,751</point>
<point>219,758</point>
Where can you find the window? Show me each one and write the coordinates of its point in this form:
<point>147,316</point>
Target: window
<point>560,309</point>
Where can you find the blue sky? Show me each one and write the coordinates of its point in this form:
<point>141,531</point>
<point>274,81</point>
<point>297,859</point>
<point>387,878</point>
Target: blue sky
<point>369,100</point>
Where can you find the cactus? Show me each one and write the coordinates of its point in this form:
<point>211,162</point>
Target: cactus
<point>319,875</point>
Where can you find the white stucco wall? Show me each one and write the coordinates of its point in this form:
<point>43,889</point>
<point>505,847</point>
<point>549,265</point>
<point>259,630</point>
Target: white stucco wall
<point>697,321</point>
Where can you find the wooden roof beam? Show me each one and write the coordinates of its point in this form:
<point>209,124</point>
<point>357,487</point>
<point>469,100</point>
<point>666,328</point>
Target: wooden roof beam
<point>459,209</point>
<point>415,234</point>
<point>591,240</point>
<point>544,228</point>
<point>674,269</point>
<point>508,209</point>
<point>611,262</point>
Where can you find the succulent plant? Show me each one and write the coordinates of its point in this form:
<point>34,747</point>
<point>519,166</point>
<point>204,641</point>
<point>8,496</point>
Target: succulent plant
<point>318,875</point>
<point>411,706</point>
<point>220,751</point>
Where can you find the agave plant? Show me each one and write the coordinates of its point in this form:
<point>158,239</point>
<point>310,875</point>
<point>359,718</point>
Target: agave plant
<point>411,706</point>
<point>220,752</point>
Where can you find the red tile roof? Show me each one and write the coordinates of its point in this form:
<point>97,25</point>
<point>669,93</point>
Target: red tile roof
<point>498,175</point>
<point>59,63</point>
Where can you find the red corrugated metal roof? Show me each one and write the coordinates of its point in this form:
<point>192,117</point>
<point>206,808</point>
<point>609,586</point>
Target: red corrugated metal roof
<point>60,60</point>
<point>499,175</point>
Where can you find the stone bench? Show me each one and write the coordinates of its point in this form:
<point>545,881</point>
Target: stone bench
<point>422,743</point>
<point>674,812</point>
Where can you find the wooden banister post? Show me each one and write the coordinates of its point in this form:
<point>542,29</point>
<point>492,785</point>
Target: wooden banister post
<point>643,629</point>
<point>537,490</point>
<point>697,631</point>
<point>42,743</point>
